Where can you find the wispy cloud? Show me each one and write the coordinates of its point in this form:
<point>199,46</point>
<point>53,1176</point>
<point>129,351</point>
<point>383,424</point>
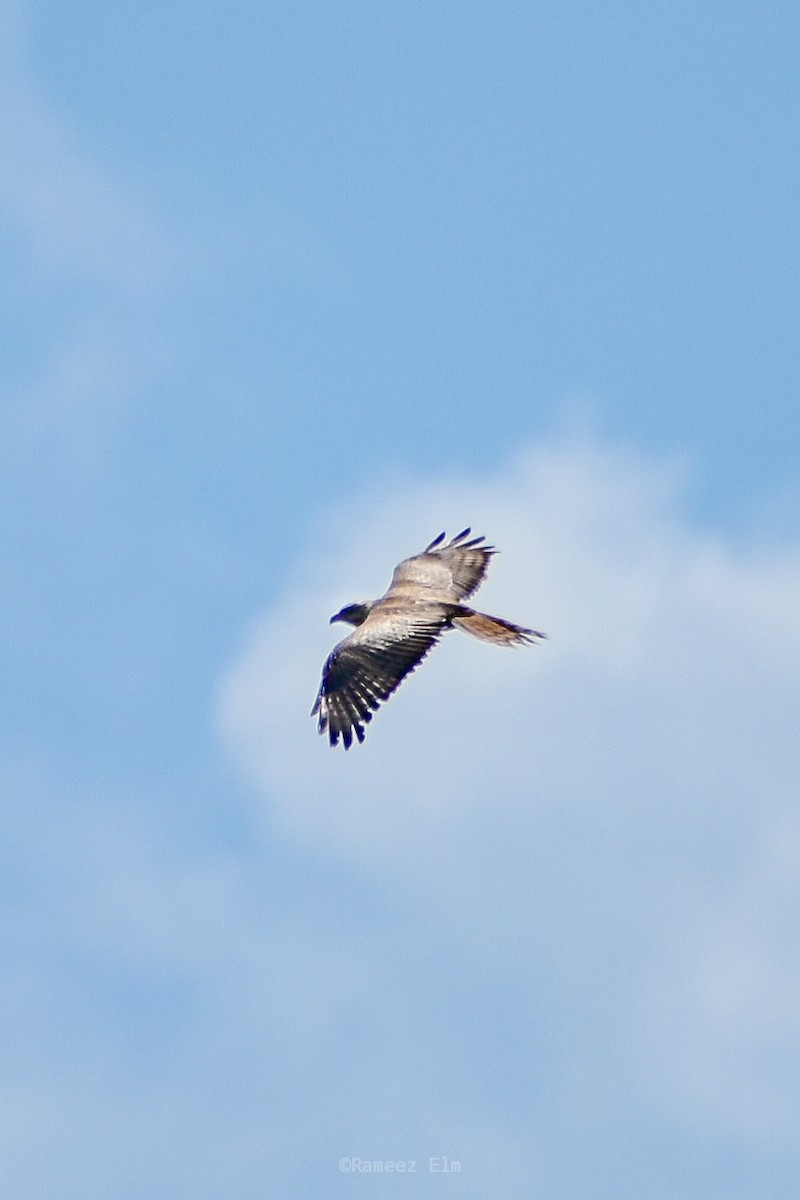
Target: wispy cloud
<point>91,265</point>
<point>73,214</point>
<point>722,1012</point>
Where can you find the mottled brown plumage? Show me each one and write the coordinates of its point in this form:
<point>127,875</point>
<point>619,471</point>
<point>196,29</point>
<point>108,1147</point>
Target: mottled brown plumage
<point>394,633</point>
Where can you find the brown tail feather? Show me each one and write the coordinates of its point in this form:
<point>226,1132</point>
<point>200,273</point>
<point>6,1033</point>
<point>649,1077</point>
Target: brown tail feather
<point>494,629</point>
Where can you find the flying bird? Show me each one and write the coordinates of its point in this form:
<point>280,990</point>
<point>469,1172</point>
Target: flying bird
<point>393,634</point>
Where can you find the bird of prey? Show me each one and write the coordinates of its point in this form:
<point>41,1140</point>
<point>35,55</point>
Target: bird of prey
<point>394,633</point>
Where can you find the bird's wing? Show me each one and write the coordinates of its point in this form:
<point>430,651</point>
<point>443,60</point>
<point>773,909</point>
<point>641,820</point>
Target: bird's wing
<point>443,572</point>
<point>368,665</point>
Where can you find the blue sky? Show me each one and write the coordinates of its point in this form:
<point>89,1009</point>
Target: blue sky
<point>285,293</point>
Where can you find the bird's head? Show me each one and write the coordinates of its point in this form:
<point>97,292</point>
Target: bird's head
<point>352,614</point>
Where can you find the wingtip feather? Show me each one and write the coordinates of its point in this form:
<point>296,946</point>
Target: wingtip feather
<point>436,542</point>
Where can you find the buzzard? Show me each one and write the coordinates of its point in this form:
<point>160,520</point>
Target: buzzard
<point>394,633</point>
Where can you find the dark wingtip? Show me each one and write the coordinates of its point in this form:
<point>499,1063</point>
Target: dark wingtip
<point>347,735</point>
<point>436,541</point>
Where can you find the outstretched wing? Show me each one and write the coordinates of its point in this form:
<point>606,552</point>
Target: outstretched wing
<point>447,573</point>
<point>365,668</point>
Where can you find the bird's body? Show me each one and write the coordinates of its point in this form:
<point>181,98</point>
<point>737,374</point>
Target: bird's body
<point>394,633</point>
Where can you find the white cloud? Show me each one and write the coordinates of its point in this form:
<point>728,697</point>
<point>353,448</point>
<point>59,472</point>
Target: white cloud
<point>665,651</point>
<point>577,811</point>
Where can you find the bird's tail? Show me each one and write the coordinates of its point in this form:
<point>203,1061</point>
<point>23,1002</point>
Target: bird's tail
<point>493,629</point>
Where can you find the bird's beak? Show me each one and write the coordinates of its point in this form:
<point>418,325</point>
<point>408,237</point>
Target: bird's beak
<point>336,617</point>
